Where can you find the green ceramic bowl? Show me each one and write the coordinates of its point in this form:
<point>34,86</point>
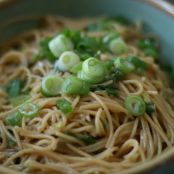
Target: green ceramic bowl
<point>17,16</point>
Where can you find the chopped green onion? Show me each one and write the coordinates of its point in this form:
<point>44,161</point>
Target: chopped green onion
<point>28,110</point>
<point>109,88</point>
<point>149,46</point>
<point>64,106</point>
<point>151,52</point>
<point>146,43</point>
<point>74,35</point>
<point>137,62</point>
<point>83,76</point>
<point>93,71</point>
<point>118,75</point>
<point>13,88</point>
<point>87,139</point>
<point>135,105</point>
<point>118,46</point>
<point>83,56</point>
<point>44,51</point>
<point>84,45</point>
<point>88,44</point>
<point>13,119</point>
<point>51,85</point>
<point>67,60</point>
<point>10,142</point>
<point>109,65</point>
<point>111,91</point>
<point>75,69</point>
<point>150,108</point>
<point>124,65</point>
<point>60,44</point>
<point>109,37</point>
<point>16,101</point>
<point>75,86</point>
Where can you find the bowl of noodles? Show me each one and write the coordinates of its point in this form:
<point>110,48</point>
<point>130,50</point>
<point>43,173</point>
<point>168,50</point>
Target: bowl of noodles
<point>86,87</point>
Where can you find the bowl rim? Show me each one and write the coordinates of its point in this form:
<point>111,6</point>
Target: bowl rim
<point>162,5</point>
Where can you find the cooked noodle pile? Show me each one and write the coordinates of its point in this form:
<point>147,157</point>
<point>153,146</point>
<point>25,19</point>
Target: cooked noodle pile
<point>52,142</point>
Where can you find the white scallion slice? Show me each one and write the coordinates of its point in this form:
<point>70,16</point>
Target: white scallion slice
<point>60,44</point>
<point>118,46</point>
<point>93,71</point>
<point>51,85</point>
<point>66,61</point>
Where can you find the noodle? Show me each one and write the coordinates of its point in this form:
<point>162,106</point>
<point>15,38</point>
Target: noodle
<point>51,141</point>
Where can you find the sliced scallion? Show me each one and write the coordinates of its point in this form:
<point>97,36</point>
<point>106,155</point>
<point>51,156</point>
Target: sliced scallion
<point>138,63</point>
<point>13,119</point>
<point>75,69</point>
<point>11,143</point>
<point>118,46</point>
<point>146,43</point>
<point>44,51</point>
<point>123,65</point>
<point>28,110</point>
<point>67,60</point>
<point>150,108</point>
<point>16,101</point>
<point>74,35</point>
<point>88,45</point>
<point>64,105</point>
<point>109,37</point>
<point>87,139</point>
<point>151,52</point>
<point>13,88</point>
<point>93,71</point>
<point>75,86</point>
<point>60,44</point>
<point>149,46</point>
<point>135,105</point>
<point>118,75</point>
<point>51,85</point>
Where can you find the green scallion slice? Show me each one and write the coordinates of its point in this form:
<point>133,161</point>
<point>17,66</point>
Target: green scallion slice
<point>51,85</point>
<point>64,105</point>
<point>135,105</point>
<point>28,110</point>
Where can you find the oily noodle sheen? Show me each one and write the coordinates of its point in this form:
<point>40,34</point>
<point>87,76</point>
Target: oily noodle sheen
<point>123,141</point>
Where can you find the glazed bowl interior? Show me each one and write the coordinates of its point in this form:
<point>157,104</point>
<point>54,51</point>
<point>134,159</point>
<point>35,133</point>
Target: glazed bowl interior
<point>23,15</point>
